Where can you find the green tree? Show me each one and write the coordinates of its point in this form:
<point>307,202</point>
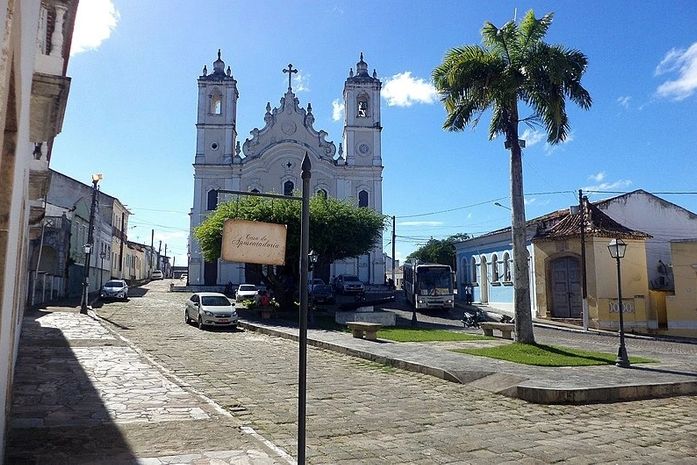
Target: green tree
<point>338,229</point>
<point>439,250</point>
<point>513,65</point>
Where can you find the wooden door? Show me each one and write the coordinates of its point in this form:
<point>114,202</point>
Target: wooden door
<point>565,274</point>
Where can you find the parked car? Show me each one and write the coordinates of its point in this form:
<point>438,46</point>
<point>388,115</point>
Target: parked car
<point>114,289</point>
<point>210,309</point>
<point>247,292</point>
<point>322,294</point>
<point>183,276</point>
<point>157,274</point>
<point>313,282</point>
<point>349,284</point>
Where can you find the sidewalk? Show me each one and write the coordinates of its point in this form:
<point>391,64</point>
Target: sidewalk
<point>674,375</point>
<point>84,395</point>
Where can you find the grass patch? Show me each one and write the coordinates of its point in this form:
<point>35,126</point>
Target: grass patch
<point>548,356</point>
<point>427,335</point>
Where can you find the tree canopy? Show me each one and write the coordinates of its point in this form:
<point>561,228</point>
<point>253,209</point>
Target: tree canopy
<point>514,65</point>
<point>439,250</point>
<point>338,229</point>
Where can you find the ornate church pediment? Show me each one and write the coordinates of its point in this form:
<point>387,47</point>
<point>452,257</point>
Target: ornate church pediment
<point>288,123</point>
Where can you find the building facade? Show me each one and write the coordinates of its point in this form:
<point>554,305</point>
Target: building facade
<point>269,162</point>
<point>35,41</point>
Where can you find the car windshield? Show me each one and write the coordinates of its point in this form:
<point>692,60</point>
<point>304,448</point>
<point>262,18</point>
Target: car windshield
<point>215,301</point>
<point>248,287</point>
<point>321,288</point>
<point>351,278</point>
<point>115,284</point>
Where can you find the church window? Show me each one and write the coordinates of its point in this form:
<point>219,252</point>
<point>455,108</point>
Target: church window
<point>362,106</point>
<point>288,188</point>
<point>322,193</point>
<point>474,270</point>
<point>363,199</point>
<point>216,103</point>
<point>212,199</point>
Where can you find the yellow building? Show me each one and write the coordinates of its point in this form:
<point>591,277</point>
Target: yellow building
<point>681,308</point>
<point>558,276</point>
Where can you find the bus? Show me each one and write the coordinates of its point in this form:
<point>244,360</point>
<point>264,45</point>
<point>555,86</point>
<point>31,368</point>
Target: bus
<point>428,285</point>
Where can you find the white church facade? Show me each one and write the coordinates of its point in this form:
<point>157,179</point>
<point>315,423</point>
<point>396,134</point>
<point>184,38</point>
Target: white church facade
<point>269,162</point>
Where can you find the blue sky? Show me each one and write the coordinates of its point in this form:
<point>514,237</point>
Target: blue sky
<point>132,105</point>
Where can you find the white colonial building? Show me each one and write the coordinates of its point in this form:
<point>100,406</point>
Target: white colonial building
<point>269,162</point>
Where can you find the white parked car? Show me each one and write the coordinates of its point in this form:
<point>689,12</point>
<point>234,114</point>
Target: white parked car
<point>157,274</point>
<point>247,292</point>
<point>210,309</point>
<point>114,289</point>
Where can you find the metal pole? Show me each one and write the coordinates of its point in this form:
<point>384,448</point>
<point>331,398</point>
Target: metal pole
<point>304,265</point>
<point>622,359</point>
<point>88,255</point>
<point>584,285</point>
<point>394,237</point>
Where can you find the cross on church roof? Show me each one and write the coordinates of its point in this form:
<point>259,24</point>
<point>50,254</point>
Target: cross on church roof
<point>290,72</point>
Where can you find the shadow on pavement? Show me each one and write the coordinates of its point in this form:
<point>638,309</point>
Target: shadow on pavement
<point>137,292</point>
<point>57,415</point>
<point>663,370</point>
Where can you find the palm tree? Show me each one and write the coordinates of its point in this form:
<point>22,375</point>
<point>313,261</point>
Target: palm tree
<point>514,65</point>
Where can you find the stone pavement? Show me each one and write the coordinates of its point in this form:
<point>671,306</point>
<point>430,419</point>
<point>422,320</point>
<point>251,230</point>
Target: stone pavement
<point>83,396</point>
<point>359,412</point>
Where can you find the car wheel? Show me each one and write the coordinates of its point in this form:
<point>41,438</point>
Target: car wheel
<point>200,323</point>
<point>187,320</point>
<point>233,326</point>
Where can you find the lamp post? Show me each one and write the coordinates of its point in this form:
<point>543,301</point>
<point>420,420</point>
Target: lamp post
<point>88,247</point>
<point>502,206</point>
<point>617,247</point>
<point>188,267</point>
<point>102,255</point>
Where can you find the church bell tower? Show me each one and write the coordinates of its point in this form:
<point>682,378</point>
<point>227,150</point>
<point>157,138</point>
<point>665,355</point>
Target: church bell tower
<point>362,129</point>
<point>216,136</point>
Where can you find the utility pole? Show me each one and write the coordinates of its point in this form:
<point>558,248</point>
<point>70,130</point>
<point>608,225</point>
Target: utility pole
<point>164,272</point>
<point>159,249</point>
<point>394,237</point>
<point>583,259</point>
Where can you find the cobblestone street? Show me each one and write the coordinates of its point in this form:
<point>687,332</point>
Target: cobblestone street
<point>364,413</point>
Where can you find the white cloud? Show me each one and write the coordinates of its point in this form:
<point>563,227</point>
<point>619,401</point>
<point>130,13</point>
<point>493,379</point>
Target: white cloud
<point>624,101</point>
<point>550,149</point>
<point>684,63</point>
<point>530,201</point>
<point>420,223</point>
<point>94,23</point>
<point>597,177</point>
<point>609,186</point>
<point>532,137</point>
<point>403,90</point>
<point>301,82</point>
<point>337,109</point>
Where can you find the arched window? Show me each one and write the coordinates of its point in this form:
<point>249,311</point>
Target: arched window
<point>363,199</point>
<point>494,268</point>
<point>288,188</point>
<point>212,199</point>
<point>362,106</point>
<point>473,269</point>
<point>216,102</point>
<point>255,190</point>
<point>322,193</point>
<point>506,267</point>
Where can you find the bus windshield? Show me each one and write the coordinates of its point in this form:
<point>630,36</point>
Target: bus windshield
<point>434,281</point>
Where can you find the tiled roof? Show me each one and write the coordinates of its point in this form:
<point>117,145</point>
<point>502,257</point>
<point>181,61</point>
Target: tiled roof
<point>597,224</point>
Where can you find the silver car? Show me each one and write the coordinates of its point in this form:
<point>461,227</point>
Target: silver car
<point>210,309</point>
<point>114,289</point>
<point>247,292</point>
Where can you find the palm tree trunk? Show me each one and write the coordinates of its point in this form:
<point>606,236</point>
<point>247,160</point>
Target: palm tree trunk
<point>521,282</point>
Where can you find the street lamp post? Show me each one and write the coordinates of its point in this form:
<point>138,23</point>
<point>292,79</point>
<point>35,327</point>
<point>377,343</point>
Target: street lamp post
<point>88,247</point>
<point>102,255</point>
<point>617,247</point>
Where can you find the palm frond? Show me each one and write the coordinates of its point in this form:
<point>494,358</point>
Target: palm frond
<point>532,30</point>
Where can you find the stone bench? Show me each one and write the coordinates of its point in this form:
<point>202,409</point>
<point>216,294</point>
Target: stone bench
<point>365,330</point>
<point>505,328</point>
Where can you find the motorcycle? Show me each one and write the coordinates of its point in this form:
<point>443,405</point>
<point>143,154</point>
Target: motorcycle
<point>472,318</point>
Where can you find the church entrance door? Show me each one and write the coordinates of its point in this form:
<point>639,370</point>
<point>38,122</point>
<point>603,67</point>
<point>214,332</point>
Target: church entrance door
<point>364,268</point>
<point>210,273</point>
<point>566,287</point>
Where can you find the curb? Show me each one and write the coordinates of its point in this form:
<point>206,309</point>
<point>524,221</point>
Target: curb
<point>505,384</point>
